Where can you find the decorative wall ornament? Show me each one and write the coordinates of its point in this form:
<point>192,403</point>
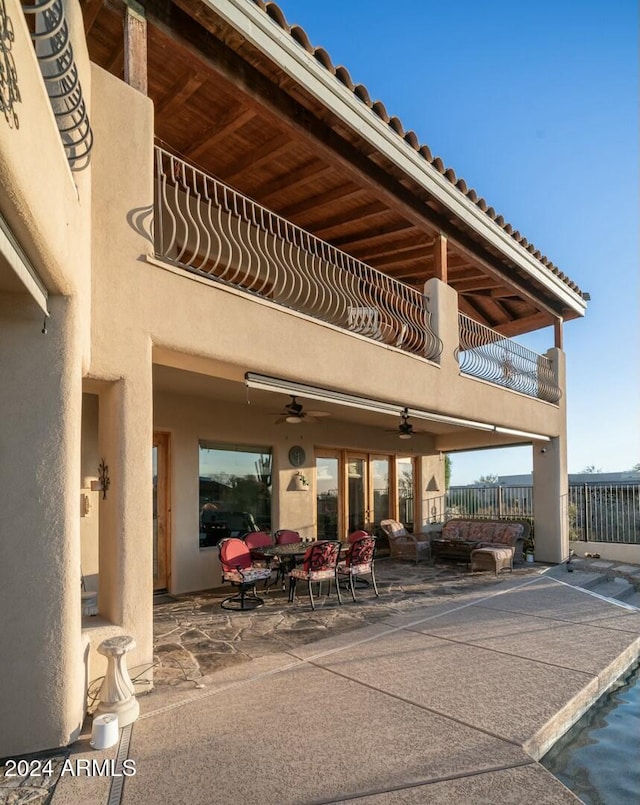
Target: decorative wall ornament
<point>103,478</point>
<point>9,92</point>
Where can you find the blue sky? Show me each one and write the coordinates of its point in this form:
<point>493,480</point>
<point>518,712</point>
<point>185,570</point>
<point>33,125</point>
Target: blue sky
<point>535,106</point>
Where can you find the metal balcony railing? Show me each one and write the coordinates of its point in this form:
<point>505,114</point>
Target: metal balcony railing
<point>52,42</point>
<point>207,227</point>
<point>486,354</point>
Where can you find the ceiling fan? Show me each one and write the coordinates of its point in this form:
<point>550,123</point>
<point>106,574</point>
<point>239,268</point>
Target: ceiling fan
<point>405,428</point>
<point>294,413</point>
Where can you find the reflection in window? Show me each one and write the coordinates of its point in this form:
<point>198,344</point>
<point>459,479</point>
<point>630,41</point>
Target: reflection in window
<point>405,491</point>
<point>380,479</point>
<point>327,497</point>
<point>235,491</point>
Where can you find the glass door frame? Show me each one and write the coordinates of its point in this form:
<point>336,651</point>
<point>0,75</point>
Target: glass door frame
<point>162,443</point>
<point>343,456</point>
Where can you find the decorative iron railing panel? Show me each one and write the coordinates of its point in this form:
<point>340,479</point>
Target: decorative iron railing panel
<point>207,227</point>
<point>50,35</point>
<point>486,354</point>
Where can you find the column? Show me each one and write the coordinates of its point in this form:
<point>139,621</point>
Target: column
<point>550,482</point>
<point>42,692</point>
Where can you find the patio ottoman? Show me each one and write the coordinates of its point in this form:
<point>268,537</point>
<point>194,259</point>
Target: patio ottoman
<point>492,558</point>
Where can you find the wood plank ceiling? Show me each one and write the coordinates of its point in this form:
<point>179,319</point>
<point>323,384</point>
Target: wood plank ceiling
<point>228,118</point>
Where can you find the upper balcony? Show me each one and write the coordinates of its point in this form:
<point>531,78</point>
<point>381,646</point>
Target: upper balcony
<point>208,228</point>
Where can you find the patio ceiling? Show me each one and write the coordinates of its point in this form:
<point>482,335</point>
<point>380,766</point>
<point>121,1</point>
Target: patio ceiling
<point>224,106</point>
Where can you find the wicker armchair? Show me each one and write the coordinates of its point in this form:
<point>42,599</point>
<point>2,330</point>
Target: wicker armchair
<point>404,545</point>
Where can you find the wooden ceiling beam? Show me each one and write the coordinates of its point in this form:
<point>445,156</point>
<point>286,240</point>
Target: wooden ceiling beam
<point>252,160</point>
<point>472,285</point>
<point>117,57</point>
<point>330,197</point>
<point>379,235</point>
<point>404,256</point>
<point>465,305</point>
<point>395,251</point>
<point>90,11</point>
<point>229,124</point>
<point>178,93</point>
<point>309,172</point>
<point>518,326</point>
<point>331,227</point>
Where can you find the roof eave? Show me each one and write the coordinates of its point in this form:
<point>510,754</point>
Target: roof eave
<point>275,43</point>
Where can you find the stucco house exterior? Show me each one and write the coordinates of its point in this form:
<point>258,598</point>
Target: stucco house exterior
<point>217,225</point>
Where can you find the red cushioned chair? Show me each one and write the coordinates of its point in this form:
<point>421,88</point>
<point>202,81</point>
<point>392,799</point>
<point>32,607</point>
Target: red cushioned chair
<point>286,537</point>
<point>359,561</point>
<point>239,570</point>
<point>318,565</point>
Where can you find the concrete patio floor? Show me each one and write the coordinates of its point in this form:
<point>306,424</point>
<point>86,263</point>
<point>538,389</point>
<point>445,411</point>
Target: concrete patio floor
<point>447,689</point>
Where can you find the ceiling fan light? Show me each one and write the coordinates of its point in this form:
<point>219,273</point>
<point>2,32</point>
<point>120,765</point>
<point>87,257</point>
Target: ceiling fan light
<point>293,419</point>
<point>404,435</point>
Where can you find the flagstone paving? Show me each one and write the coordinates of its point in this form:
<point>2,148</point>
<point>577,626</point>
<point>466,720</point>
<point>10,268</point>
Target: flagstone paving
<point>194,636</point>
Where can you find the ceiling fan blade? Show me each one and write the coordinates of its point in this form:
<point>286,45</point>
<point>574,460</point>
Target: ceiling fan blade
<point>317,413</point>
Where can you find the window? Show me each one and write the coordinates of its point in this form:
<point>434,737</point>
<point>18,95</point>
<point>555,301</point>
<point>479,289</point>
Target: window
<point>405,476</point>
<point>234,491</point>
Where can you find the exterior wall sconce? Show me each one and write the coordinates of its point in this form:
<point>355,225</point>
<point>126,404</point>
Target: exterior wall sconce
<point>104,482</point>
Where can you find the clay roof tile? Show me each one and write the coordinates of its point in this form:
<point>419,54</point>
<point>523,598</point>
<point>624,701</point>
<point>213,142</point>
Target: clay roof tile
<point>362,93</point>
<point>396,125</point>
<point>277,15</point>
<point>300,35</point>
<point>325,60</point>
<point>438,164</point>
<point>379,108</point>
<point>411,138</point>
<point>342,74</point>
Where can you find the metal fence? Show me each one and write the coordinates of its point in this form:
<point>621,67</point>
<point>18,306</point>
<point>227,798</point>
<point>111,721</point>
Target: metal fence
<point>596,512</point>
<point>605,513</point>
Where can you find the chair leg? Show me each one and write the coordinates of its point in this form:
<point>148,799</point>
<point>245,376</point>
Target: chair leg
<point>292,588</point>
<point>352,586</point>
<point>337,583</point>
<point>313,606</point>
<point>373,580</point>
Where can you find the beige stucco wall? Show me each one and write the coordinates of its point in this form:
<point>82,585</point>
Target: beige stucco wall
<point>47,208</point>
<point>120,370</point>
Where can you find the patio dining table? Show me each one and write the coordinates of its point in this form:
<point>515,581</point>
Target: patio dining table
<point>288,554</point>
<point>291,553</point>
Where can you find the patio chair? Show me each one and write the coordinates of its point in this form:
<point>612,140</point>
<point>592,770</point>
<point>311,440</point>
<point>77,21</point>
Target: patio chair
<point>359,561</point>
<point>319,564</point>
<point>404,545</point>
<point>255,540</point>
<point>286,537</point>
<point>354,537</point>
<point>239,571</point>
